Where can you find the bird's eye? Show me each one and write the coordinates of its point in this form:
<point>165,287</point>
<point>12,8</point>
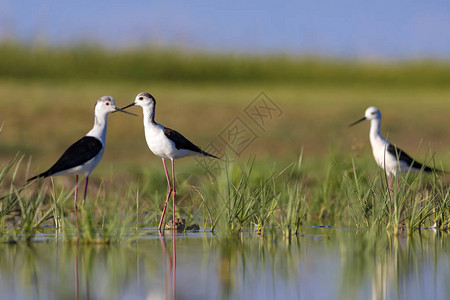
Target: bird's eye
<point>373,113</point>
<point>107,103</point>
<point>141,98</point>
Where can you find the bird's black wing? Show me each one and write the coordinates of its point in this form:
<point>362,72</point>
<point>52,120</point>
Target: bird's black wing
<point>403,156</point>
<point>183,143</point>
<point>80,152</point>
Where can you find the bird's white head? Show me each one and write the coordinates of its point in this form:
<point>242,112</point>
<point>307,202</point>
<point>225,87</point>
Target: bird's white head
<point>105,105</point>
<point>145,100</point>
<point>372,113</point>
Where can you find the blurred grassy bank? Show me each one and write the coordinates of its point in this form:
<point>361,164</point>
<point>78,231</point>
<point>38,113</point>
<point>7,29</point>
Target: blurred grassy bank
<point>42,118</point>
<point>87,62</point>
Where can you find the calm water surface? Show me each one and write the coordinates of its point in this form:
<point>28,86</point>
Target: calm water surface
<point>322,263</point>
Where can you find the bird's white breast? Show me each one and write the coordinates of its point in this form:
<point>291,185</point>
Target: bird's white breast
<point>158,142</point>
<point>162,146</point>
<point>386,160</point>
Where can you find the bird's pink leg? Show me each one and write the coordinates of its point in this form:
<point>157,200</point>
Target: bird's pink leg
<point>75,200</point>
<point>173,192</point>
<point>391,189</point>
<point>398,190</point>
<point>390,183</point>
<point>85,189</point>
<point>168,195</point>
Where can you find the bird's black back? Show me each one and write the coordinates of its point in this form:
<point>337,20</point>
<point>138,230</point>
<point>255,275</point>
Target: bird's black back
<point>77,154</point>
<point>403,156</point>
<point>183,143</point>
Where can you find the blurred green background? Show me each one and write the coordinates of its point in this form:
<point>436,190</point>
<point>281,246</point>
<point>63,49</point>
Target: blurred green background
<point>47,97</point>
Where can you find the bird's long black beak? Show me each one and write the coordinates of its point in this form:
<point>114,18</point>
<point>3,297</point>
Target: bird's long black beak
<point>126,112</point>
<point>125,107</point>
<point>359,121</point>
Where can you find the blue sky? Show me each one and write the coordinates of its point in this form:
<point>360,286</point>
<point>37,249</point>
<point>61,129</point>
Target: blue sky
<point>347,28</point>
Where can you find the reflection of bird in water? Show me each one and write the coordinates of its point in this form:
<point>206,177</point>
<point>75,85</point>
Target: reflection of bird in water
<point>86,272</point>
<point>165,143</point>
<point>171,266</point>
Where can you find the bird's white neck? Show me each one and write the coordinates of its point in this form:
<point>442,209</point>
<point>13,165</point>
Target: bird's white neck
<point>99,129</point>
<point>149,115</point>
<point>375,132</point>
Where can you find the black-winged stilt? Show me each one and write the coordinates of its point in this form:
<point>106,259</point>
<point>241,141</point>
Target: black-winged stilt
<point>83,156</point>
<point>389,157</point>
<point>165,143</point>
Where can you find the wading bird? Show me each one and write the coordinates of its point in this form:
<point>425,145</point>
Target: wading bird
<point>165,143</point>
<point>390,158</point>
<point>83,156</point>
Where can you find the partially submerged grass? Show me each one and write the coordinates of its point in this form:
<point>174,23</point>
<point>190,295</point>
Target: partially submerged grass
<point>277,201</point>
<point>238,200</point>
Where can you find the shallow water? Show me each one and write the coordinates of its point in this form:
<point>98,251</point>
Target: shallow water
<point>322,263</point>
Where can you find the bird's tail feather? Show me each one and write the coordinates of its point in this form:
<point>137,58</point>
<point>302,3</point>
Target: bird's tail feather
<point>428,169</point>
<point>210,155</point>
<point>45,174</point>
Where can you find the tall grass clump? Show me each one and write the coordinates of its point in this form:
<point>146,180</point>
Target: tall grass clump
<point>292,207</point>
<point>416,200</point>
<point>34,208</point>
<point>29,208</point>
<point>118,213</point>
<point>367,199</point>
<point>440,201</point>
<point>243,199</point>
<point>8,199</point>
<point>230,202</point>
<point>326,193</point>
